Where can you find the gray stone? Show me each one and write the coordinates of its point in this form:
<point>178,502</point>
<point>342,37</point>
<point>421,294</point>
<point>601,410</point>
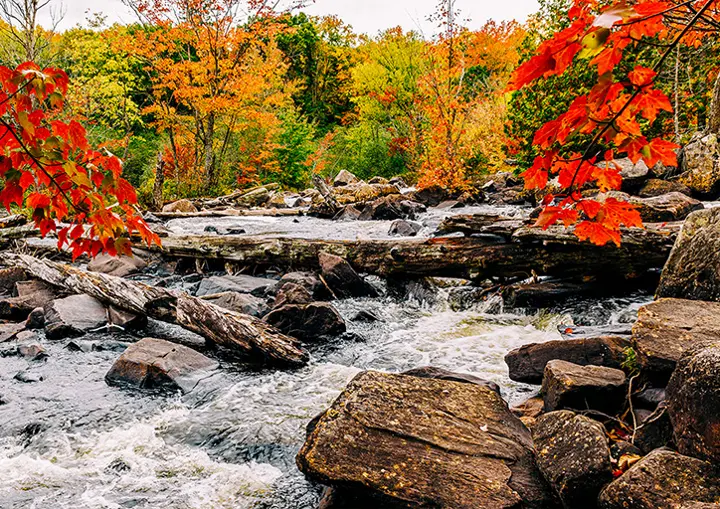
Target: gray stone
<point>569,386</point>
<point>342,278</point>
<point>700,166</point>
<point>403,228</point>
<point>73,316</point>
<point>244,303</point>
<point>574,456</point>
<point>119,266</point>
<point>345,178</point>
<point>240,283</point>
<point>157,364</point>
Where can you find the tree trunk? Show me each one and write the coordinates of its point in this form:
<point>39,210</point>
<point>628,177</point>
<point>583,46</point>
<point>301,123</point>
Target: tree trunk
<point>714,112</point>
<point>158,200</point>
<point>209,154</point>
<point>245,335</point>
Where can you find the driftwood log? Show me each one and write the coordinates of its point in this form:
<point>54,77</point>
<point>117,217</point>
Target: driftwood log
<point>240,333</point>
<point>552,252</point>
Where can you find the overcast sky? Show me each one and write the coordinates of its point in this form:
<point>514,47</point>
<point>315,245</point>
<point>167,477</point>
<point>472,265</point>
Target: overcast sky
<point>366,16</point>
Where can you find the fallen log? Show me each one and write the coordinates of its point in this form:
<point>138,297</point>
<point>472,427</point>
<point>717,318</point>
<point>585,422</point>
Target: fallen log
<point>272,212</point>
<point>476,224</point>
<point>243,334</point>
<point>552,252</point>
<point>11,221</point>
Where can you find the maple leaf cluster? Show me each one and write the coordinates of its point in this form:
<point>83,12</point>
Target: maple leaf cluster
<point>612,112</point>
<point>46,164</point>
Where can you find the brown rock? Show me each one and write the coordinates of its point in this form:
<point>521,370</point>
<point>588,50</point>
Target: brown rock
<point>668,327</point>
<point>73,316</point>
<point>701,166</point>
<point>425,443</point>
<point>342,278</point>
<point>528,411</point>
<point>657,187</point>
<point>568,385</point>
<point>345,178</point>
<point>443,374</point>
<point>119,266</point>
<point>307,322</point>
<point>185,206</point>
<point>157,364</point>
<point>660,209</point>
<point>291,293</point>
<point>527,363</point>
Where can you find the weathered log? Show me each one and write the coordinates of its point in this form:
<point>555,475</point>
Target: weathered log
<point>326,192</point>
<point>11,221</point>
<point>475,224</point>
<point>243,334</point>
<point>552,252</point>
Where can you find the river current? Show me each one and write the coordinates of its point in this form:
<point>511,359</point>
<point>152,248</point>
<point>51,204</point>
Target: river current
<point>69,441</point>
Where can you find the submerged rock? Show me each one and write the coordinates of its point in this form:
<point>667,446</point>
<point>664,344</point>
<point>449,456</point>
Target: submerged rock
<point>693,269</point>
<point>307,322</point>
<point>74,316</point>
<point>663,479</point>
<point>567,385</point>
<point>574,456</point>
<point>693,401</point>
<point>425,443</point>
<point>157,364</point>
<point>665,329</point>
<point>527,363</point>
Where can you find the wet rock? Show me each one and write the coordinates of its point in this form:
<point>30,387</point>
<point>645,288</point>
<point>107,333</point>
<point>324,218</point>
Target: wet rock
<point>244,303</point>
<point>30,295</point>
<point>657,187</point>
<point>662,480</point>
<point>424,442</point>
<point>659,209</point>
<point>622,448</point>
<point>73,316</point>
<point>10,276</point>
<point>291,293</point>
<point>650,398</point>
<point>128,321</point>
<point>157,364</point>
<point>392,207</point>
<point>570,386</point>
<point>365,316</point>
<point>403,228</point>
<point>668,327</point>
<point>450,376</point>
<point>9,331</point>
<point>79,345</point>
<point>574,456</point>
<point>28,377</point>
<point>311,282</point>
<point>36,319</point>
<point>701,166</point>
<point>32,351</point>
<point>184,206</point>
<point>307,322</point>
<point>450,204</point>
<point>693,269</point>
<point>693,402</point>
<point>529,410</point>
<point>342,278</point>
<point>174,333</point>
<point>345,178</point>
<point>118,465</point>
<point>527,363</point>
<point>119,266</point>
<point>655,431</point>
<point>348,213</point>
<point>240,283</point>
<point>431,196</point>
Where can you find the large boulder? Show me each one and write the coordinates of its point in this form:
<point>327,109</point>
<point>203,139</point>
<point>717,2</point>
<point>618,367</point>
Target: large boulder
<point>244,303</point>
<point>569,386</point>
<point>425,443</point>
<point>527,363</point>
<point>184,206</point>
<point>432,196</point>
<point>362,192</point>
<point>311,282</point>
<point>693,400</point>
<point>660,209</point>
<point>403,228</point>
<point>240,283</point>
<point>663,479</point>
<point>634,175</point>
<point>693,269</point>
<point>573,454</point>
<point>291,293</point>
<point>119,266</point>
<point>345,178</point>
<point>701,166</point>
<point>342,278</point>
<point>666,328</point>
<point>658,187</point>
<point>307,322</point>
<point>73,316</point>
<point>157,364</point>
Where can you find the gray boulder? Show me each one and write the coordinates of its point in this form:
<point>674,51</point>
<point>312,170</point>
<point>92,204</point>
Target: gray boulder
<point>700,166</point>
<point>345,178</point>
<point>573,454</point>
<point>403,228</point>
<point>569,386</point>
<point>342,278</point>
<point>74,316</point>
<point>240,283</point>
<point>693,269</point>
<point>244,303</point>
<point>157,364</point>
<point>119,266</point>
<point>307,322</point>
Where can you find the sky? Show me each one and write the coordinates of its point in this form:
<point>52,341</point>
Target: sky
<point>366,16</point>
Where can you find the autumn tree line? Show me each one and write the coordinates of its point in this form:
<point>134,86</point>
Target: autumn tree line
<point>200,97</point>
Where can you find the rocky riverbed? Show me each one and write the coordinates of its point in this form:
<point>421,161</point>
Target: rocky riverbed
<point>284,360</point>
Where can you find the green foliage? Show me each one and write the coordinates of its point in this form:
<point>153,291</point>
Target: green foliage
<point>295,145</point>
<point>630,364</point>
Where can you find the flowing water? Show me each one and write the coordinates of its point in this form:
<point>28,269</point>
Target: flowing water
<point>69,441</point>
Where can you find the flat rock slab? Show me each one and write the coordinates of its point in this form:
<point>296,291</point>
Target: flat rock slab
<point>158,364</point>
<point>693,269</point>
<point>574,456</point>
<point>73,316</point>
<point>663,479</point>
<point>425,443</point>
<point>119,266</point>
<point>693,399</point>
<point>240,283</point>
<point>665,329</point>
<point>244,303</point>
<point>527,363</point>
<point>570,386</point>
